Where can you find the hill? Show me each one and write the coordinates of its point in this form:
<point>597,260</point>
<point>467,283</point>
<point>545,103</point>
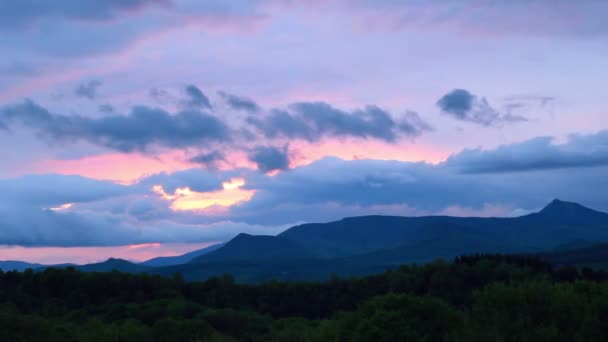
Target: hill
<point>11,265</point>
<point>179,259</point>
<point>113,264</point>
<point>245,247</point>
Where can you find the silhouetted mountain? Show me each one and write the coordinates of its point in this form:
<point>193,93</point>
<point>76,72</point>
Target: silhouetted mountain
<point>361,245</point>
<point>180,259</point>
<point>371,244</point>
<point>113,264</point>
<point>245,247</point>
<point>571,213</point>
<point>10,265</point>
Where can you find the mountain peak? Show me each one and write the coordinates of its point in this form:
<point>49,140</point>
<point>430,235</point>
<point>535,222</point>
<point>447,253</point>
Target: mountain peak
<point>559,206</point>
<point>115,261</point>
<point>570,212</point>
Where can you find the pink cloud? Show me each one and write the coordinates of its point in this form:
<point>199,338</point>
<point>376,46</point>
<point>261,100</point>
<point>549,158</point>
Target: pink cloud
<point>487,210</point>
<point>84,255</point>
<point>120,167</point>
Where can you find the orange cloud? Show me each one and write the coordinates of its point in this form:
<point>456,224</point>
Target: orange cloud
<point>144,245</point>
<point>185,199</point>
<point>62,207</point>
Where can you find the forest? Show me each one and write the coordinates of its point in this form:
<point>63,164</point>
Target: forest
<point>472,298</point>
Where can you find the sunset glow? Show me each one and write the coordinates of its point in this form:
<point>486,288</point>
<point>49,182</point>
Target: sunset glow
<point>184,199</point>
<point>137,124</point>
<point>62,207</point>
<point>122,168</point>
<point>82,255</point>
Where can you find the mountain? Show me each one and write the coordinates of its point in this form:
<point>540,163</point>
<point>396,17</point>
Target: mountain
<point>562,232</point>
<point>180,259</point>
<point>245,247</point>
<point>562,212</point>
<point>10,265</point>
<point>367,244</point>
<point>559,222</point>
<point>113,264</point>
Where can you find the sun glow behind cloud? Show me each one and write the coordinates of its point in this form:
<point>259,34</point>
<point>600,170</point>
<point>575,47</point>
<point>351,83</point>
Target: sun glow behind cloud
<point>185,199</point>
<point>62,207</point>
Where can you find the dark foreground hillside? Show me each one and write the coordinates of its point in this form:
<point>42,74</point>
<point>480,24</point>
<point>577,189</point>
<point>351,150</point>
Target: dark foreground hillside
<point>476,298</point>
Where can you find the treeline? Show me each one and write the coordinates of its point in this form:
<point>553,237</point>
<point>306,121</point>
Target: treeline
<point>477,298</point>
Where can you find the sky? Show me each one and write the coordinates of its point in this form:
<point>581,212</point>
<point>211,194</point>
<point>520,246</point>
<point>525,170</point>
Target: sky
<point>140,128</point>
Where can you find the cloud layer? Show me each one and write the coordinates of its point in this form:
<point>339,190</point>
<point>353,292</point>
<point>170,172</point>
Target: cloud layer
<point>59,210</point>
<point>200,126</point>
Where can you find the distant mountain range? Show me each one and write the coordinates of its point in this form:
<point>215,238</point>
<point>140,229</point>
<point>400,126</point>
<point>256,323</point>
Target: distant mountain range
<point>11,265</point>
<point>369,244</point>
<point>180,259</point>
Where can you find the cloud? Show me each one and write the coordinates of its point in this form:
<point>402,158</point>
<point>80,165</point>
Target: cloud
<point>44,191</point>
<point>535,154</point>
<point>106,108</point>
<point>209,159</point>
<point>34,227</point>
<point>24,13</point>
<point>268,158</point>
<point>496,182</point>
<point>196,98</point>
<point>19,69</point>
<point>313,121</point>
<point>463,105</point>
<point>88,90</point>
<point>98,27</point>
<point>199,126</point>
<point>160,95</point>
<point>492,17</point>
<point>65,211</point>
<point>330,187</point>
<point>136,131</point>
<point>239,103</point>
<point>199,180</point>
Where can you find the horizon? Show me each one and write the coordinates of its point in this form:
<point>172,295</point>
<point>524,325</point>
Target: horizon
<point>147,252</point>
<point>157,127</point>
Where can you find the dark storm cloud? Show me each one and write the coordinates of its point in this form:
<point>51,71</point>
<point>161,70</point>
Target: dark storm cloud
<point>463,105</point>
<point>136,131</point>
<point>25,12</point>
<point>88,90</point>
<point>535,154</point>
<point>196,98</point>
<point>315,120</point>
<point>239,103</point>
<point>268,158</point>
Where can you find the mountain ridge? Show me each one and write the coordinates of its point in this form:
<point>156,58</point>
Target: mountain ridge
<point>364,244</point>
